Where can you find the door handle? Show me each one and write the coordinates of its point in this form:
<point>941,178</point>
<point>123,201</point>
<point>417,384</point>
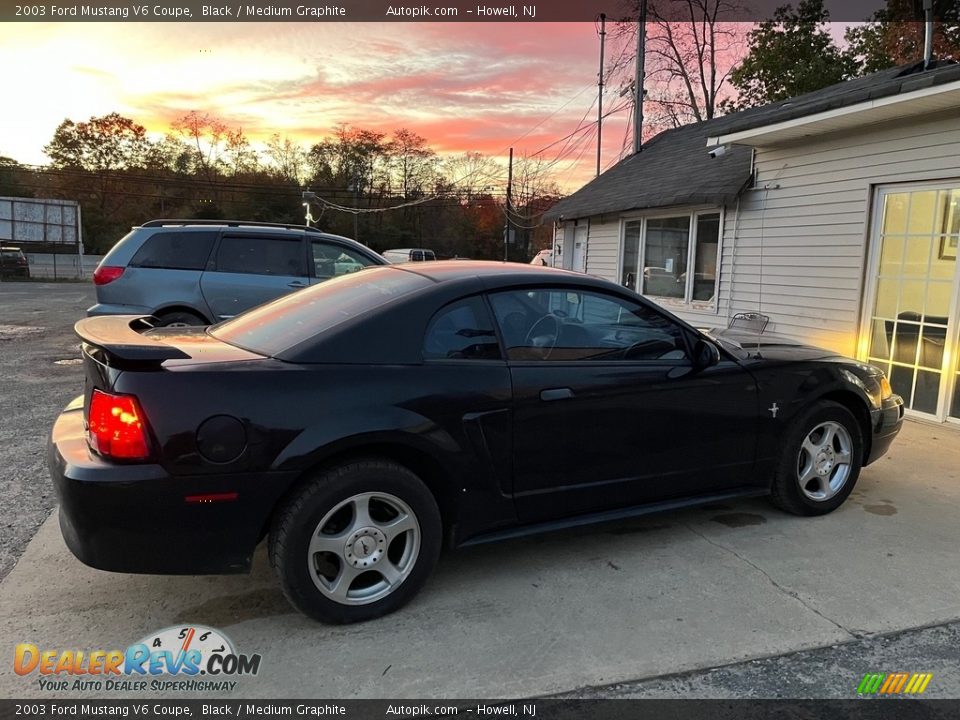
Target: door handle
<point>297,284</point>
<point>556,394</point>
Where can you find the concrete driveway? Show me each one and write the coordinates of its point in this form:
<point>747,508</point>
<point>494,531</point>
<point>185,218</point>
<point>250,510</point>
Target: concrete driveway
<point>664,594</point>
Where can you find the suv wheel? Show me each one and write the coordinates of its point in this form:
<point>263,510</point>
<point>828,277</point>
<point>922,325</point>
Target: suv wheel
<point>357,542</point>
<point>180,319</point>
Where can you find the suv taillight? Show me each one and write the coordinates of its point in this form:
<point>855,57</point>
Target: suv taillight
<point>106,274</point>
<point>116,426</point>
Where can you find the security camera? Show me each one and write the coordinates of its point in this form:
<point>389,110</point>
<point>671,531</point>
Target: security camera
<point>718,151</point>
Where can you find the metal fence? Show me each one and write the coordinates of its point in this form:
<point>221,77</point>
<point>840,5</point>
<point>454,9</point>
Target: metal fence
<point>55,266</point>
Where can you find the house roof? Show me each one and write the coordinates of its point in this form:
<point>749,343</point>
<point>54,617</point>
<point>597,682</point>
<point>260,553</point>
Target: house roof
<point>674,167</point>
<point>886,83</point>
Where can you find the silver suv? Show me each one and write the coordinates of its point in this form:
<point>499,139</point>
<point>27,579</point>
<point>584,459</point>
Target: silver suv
<point>198,272</point>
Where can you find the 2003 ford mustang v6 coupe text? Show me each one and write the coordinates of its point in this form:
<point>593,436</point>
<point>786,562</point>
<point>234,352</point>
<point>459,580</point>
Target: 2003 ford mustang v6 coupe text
<point>363,423</point>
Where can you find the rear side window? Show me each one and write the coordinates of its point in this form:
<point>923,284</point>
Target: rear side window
<point>279,325</point>
<point>331,260</point>
<point>175,251</point>
<point>461,331</point>
<point>261,256</point>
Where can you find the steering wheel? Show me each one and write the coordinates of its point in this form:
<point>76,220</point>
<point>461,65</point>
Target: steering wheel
<point>543,334</point>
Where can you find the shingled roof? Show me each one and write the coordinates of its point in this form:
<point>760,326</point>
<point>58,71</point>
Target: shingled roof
<point>674,167</point>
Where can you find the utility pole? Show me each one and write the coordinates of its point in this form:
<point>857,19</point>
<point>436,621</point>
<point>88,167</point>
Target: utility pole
<point>603,36</point>
<point>356,213</point>
<point>506,227</point>
<point>638,78</point>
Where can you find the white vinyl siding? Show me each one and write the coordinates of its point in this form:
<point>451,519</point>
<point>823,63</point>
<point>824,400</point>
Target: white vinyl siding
<point>603,247</point>
<point>813,219</point>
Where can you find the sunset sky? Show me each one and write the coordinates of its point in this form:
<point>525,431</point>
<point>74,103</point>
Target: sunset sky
<point>478,87</point>
<point>465,86</point>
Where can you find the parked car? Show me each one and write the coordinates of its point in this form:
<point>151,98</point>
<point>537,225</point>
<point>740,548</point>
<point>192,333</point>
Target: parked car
<point>544,258</point>
<point>196,272</point>
<point>13,263</point>
<point>365,422</point>
<point>403,255</point>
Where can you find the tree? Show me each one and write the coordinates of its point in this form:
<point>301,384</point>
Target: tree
<point>790,55</point>
<point>12,174</point>
<point>690,53</point>
<point>351,153</point>
<point>240,157</point>
<point>893,37</point>
<point>415,161</point>
<point>474,172</point>
<point>206,135</point>
<point>288,158</point>
<point>110,142</point>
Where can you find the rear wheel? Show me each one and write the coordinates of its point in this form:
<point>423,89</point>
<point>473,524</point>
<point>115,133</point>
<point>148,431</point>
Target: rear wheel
<point>357,542</point>
<point>180,318</point>
<point>820,461</point>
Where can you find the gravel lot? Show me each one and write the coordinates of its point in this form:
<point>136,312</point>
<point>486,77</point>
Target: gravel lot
<point>36,331</point>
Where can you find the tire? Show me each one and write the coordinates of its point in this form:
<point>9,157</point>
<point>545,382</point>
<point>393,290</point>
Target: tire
<point>817,470</point>
<point>318,541</point>
<point>180,318</point>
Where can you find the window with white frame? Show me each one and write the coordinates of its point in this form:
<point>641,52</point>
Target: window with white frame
<point>658,254</point>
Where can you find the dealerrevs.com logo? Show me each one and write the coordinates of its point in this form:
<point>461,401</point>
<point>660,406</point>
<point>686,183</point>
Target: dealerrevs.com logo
<point>191,658</point>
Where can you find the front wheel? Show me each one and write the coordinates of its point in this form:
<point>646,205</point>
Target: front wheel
<point>357,542</point>
<point>820,461</point>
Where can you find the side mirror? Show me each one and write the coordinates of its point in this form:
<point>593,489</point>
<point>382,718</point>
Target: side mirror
<point>705,354</point>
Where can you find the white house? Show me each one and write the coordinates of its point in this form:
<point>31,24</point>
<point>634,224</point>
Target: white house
<point>836,214</point>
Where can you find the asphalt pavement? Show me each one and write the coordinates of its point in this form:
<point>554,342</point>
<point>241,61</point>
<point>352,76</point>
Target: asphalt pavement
<point>39,357</point>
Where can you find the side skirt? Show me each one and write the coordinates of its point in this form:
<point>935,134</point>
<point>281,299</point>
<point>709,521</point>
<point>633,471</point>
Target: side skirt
<point>612,515</point>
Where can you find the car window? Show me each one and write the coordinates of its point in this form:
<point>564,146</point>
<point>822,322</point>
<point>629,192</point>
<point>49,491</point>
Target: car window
<point>332,260</point>
<point>573,324</point>
<point>461,331</point>
<point>261,255</point>
<point>279,325</point>
<point>175,251</point>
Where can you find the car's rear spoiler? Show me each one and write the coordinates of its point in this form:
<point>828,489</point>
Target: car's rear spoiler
<point>125,338</point>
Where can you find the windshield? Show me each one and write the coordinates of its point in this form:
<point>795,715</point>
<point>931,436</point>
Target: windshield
<point>272,328</point>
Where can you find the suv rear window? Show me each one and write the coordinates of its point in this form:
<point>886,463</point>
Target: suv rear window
<point>277,326</point>
<point>175,251</point>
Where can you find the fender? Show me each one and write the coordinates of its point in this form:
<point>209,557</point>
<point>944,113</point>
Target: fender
<point>368,426</point>
<point>464,466</point>
<point>786,391</point>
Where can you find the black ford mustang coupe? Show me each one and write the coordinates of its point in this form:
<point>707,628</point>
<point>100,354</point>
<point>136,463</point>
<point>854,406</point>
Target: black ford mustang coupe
<point>364,423</point>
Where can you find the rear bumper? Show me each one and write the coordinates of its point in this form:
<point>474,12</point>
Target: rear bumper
<point>138,518</point>
<point>886,423</point>
<point>17,271</point>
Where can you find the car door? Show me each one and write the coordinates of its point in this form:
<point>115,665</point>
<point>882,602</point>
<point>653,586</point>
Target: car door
<point>251,268</point>
<point>330,259</point>
<point>608,409</point>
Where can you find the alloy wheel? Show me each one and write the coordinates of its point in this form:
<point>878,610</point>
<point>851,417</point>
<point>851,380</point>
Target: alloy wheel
<point>824,461</point>
<point>364,548</point>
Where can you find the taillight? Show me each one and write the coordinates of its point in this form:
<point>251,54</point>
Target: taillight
<point>115,426</point>
<point>106,274</point>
